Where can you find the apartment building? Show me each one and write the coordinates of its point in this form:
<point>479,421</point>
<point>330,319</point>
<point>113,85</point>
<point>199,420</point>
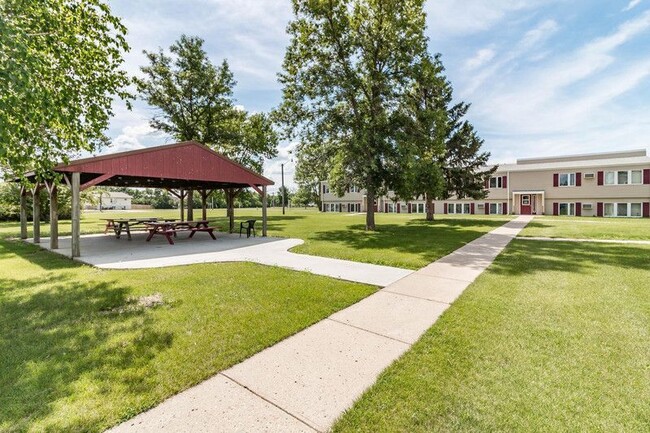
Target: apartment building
<point>613,184</point>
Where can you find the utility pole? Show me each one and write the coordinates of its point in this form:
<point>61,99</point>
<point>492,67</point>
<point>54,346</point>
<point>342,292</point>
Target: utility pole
<point>284,198</point>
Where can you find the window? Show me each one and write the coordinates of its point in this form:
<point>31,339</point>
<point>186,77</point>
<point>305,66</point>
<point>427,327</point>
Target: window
<point>420,208</point>
<point>623,210</point>
<point>496,182</point>
<point>459,208</point>
<point>354,188</point>
<point>326,189</point>
<point>568,209</point>
<point>567,179</point>
<point>496,208</point>
<point>525,200</point>
<point>624,177</point>
<point>392,207</point>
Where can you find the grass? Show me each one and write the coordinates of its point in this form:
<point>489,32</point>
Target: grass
<point>552,337</point>
<point>401,240</point>
<point>77,352</point>
<point>589,228</point>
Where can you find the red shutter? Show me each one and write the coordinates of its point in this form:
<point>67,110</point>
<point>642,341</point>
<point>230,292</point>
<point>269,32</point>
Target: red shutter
<point>646,210</point>
<point>599,209</point>
<point>375,207</point>
<point>471,208</point>
<point>504,182</point>
<point>409,207</point>
<point>505,208</point>
<point>601,178</point>
<point>487,208</point>
<point>385,207</point>
<point>487,183</point>
<point>556,179</point>
<point>578,179</point>
<point>399,206</point>
<point>444,205</point>
<point>578,207</point>
<point>556,208</point>
<point>646,176</point>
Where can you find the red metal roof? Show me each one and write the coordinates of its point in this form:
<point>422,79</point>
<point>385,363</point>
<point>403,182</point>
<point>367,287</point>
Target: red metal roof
<point>185,164</point>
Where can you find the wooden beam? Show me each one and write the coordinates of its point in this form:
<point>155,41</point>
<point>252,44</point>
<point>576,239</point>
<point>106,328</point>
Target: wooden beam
<point>54,216</point>
<point>76,214</point>
<point>264,218</point>
<point>190,204</point>
<point>23,213</point>
<point>256,188</point>
<point>36,213</point>
<point>95,181</point>
<point>204,204</point>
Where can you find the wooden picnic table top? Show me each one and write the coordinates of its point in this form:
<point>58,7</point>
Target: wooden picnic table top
<point>177,223</point>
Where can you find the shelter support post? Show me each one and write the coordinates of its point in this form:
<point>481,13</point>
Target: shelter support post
<point>54,215</point>
<point>264,210</point>
<point>190,204</point>
<point>36,213</point>
<point>23,213</point>
<point>204,204</point>
<point>76,214</point>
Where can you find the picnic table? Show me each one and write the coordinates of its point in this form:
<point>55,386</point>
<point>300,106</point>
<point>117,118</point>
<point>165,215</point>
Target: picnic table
<point>170,228</point>
<point>120,225</point>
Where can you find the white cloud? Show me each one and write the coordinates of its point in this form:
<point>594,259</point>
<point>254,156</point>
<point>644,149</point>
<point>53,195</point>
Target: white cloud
<point>134,137</point>
<point>482,56</point>
<point>631,5</point>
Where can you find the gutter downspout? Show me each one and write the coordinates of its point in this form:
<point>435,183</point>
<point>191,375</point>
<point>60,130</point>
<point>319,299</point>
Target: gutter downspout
<point>510,208</point>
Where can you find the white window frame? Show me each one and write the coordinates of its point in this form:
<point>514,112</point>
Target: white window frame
<point>392,207</point>
<point>570,180</point>
<point>354,188</point>
<point>498,182</point>
<point>615,174</point>
<point>498,207</point>
<point>570,209</point>
<point>420,208</point>
<point>459,208</point>
<point>615,207</point>
<point>326,188</point>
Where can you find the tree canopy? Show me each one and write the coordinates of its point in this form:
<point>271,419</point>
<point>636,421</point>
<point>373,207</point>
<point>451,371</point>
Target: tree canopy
<point>442,151</point>
<point>344,73</point>
<point>195,101</point>
<point>60,73</point>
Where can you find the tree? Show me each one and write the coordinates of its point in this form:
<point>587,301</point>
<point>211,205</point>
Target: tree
<point>345,70</point>
<point>304,196</point>
<point>443,156</point>
<point>60,72</point>
<point>195,102</point>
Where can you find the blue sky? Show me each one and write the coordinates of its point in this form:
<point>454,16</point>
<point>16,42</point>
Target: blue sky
<point>544,77</point>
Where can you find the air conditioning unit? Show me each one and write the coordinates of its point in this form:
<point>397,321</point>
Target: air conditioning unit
<point>480,205</point>
<point>587,206</point>
<point>589,175</point>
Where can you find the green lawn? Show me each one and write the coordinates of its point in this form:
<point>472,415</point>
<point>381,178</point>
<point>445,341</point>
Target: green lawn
<point>401,240</point>
<point>589,228</point>
<point>77,353</point>
<point>553,337</point>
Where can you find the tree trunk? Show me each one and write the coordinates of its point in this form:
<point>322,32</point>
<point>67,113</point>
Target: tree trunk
<point>429,206</point>
<point>370,211</point>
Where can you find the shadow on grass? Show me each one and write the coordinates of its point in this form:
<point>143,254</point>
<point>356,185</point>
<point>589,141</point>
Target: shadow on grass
<point>35,255</point>
<point>68,337</point>
<point>429,239</point>
<point>569,257</point>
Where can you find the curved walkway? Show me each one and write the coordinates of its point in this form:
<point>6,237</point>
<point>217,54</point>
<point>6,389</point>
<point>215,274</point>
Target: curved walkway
<point>304,383</point>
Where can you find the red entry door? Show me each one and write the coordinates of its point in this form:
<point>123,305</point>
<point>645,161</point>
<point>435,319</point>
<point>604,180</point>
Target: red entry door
<point>525,206</point>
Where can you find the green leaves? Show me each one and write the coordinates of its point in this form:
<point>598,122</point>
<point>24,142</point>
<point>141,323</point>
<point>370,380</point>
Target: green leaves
<point>61,73</point>
<point>195,102</point>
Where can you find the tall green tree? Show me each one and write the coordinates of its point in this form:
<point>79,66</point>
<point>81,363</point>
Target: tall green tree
<point>61,70</point>
<point>443,156</point>
<point>195,101</point>
<point>344,72</point>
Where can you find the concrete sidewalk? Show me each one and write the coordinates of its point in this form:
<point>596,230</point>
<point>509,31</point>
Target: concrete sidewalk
<point>104,251</point>
<point>305,382</point>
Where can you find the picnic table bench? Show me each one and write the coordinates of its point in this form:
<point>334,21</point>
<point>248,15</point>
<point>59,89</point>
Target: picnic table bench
<point>119,225</point>
<point>169,229</point>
